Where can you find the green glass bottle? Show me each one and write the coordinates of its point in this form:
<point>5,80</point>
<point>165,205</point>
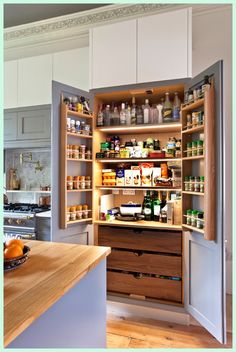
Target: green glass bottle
<point>156,207</point>
<point>147,206</point>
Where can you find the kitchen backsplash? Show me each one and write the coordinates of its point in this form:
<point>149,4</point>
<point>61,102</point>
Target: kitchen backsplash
<point>32,175</point>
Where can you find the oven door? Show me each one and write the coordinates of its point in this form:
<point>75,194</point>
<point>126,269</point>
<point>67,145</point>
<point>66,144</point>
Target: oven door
<point>24,233</point>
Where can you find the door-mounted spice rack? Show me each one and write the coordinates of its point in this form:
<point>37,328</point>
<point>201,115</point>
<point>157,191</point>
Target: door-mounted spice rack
<point>76,132</point>
<point>202,111</point>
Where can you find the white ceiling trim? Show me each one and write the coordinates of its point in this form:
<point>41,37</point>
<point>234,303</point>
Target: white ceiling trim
<point>72,31</point>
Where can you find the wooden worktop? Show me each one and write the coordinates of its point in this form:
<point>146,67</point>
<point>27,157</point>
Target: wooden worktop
<point>140,224</point>
<point>50,271</point>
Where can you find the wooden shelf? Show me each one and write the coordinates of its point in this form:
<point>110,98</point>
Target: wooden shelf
<point>193,193</point>
<point>78,190</point>
<point>165,127</point>
<point>78,221</point>
<point>140,223</point>
<point>194,130</point>
<point>79,135</point>
<point>193,157</point>
<point>133,160</point>
<point>26,191</point>
<point>79,114</point>
<point>139,188</point>
<point>192,228</point>
<point>194,105</point>
<point>84,160</point>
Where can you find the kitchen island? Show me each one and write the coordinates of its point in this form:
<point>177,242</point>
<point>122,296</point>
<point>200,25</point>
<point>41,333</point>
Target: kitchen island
<point>57,298</point>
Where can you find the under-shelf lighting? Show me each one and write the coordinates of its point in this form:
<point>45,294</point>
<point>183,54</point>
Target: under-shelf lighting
<point>163,126</point>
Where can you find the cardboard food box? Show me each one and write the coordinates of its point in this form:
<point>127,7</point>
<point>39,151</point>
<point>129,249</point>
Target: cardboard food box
<point>120,177</point>
<point>128,177</point>
<point>136,176</point>
<point>177,212</point>
<point>156,174</point>
<point>146,174</point>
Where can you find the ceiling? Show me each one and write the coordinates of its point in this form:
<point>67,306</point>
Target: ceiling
<point>17,14</point>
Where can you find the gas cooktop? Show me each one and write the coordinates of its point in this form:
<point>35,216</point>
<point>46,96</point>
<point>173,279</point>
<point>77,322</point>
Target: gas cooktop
<point>25,208</point>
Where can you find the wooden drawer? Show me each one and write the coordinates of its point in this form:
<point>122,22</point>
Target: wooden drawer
<point>151,287</point>
<point>149,240</point>
<point>145,263</point>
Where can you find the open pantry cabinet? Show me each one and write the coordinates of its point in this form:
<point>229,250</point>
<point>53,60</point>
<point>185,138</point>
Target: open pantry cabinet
<point>174,263</point>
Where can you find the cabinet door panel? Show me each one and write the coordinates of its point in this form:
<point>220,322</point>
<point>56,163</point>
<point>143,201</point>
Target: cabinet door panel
<point>10,126</point>
<point>10,84</point>
<point>35,80</point>
<point>34,124</point>
<point>113,54</point>
<point>164,46</point>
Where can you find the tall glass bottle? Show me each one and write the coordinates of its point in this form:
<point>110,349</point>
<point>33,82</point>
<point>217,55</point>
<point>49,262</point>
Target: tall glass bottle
<point>139,119</point>
<point>123,114</point>
<point>100,116</point>
<point>116,116</point>
<point>107,116</point>
<point>167,109</point>
<point>176,108</point>
<point>133,112</point>
<point>146,112</point>
<point>147,206</point>
<point>128,115</point>
<point>156,207</point>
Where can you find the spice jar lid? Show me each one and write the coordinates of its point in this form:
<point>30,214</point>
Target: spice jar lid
<point>189,145</point>
<point>186,178</point>
<point>73,208</point>
<point>79,207</point>
<point>194,143</point>
<point>195,212</point>
<point>202,178</point>
<point>69,178</point>
<point>85,207</point>
<point>189,212</point>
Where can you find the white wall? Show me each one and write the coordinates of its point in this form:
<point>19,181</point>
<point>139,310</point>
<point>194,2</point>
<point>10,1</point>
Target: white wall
<point>212,41</point>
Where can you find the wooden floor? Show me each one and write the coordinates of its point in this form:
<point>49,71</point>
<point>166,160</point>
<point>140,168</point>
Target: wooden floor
<point>146,333</point>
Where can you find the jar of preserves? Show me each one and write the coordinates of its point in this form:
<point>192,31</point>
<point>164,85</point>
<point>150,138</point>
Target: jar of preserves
<point>201,118</point>
<point>75,151</point>
<point>194,119</point>
<point>202,184</point>
<point>87,182</point>
<point>196,184</point>
<point>82,149</point>
<point>76,182</point>
<point>186,183</point>
<point>68,214</point>
<point>79,212</point>
<point>189,121</point>
<point>69,151</point>
<point>72,126</point>
<point>69,183</point>
<point>85,211</point>
<point>189,149</point>
<point>189,215</point>
<point>82,182</point>
<point>194,148</point>
<point>88,154</point>
<point>200,147</point>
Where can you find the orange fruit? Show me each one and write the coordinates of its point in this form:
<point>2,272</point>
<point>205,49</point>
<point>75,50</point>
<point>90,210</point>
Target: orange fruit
<point>13,251</point>
<point>15,241</point>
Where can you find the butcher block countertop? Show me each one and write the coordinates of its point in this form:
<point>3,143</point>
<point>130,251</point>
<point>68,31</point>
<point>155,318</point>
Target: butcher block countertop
<point>50,271</point>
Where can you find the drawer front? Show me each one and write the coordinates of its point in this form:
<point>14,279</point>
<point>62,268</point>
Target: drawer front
<point>149,240</point>
<point>151,287</point>
<point>145,263</point>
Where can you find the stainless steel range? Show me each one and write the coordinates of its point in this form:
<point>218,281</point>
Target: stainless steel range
<point>19,220</point>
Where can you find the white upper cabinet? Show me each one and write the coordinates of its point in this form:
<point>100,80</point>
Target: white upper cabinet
<point>35,80</point>
<point>71,67</point>
<point>10,84</point>
<point>113,55</point>
<point>164,46</point>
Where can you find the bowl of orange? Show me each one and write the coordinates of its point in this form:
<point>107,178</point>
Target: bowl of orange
<point>15,253</point>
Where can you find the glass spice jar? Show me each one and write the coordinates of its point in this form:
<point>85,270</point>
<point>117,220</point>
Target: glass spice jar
<point>73,213</point>
<point>85,211</point>
<point>189,215</point>
<point>76,182</point>
<point>69,183</point>
<point>189,121</point>
<point>194,218</point>
<point>68,214</point>
<point>196,184</point>
<point>200,147</point>
<point>191,184</point>
<point>186,183</point>
<point>68,124</point>
<point>75,151</point>
<point>72,126</point>
<point>202,184</point>
<point>87,182</point>
<point>194,148</point>
<point>200,223</point>
<point>82,182</point>
<point>201,118</point>
<point>68,151</point>
<point>79,212</point>
<point>194,119</point>
<point>82,149</point>
<point>189,149</point>
<point>88,154</point>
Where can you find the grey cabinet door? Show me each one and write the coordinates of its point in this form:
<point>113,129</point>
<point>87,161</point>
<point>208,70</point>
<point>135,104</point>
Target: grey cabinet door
<point>10,126</point>
<point>35,124</point>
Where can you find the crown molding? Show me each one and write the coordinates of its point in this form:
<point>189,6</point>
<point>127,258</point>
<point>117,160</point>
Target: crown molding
<point>72,31</point>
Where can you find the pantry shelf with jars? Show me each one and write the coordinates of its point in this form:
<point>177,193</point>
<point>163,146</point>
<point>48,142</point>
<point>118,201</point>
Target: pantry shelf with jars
<point>76,132</point>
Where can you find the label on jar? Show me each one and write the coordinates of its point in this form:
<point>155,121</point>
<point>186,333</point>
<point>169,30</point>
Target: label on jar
<point>147,211</point>
<point>167,114</point>
<point>156,210</point>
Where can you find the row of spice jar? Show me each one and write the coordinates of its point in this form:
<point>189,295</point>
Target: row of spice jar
<point>78,182</point>
<point>76,126</point>
<point>195,148</point>
<point>77,212</point>
<point>78,152</point>
<point>194,184</point>
<point>195,218</point>
<point>195,119</point>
